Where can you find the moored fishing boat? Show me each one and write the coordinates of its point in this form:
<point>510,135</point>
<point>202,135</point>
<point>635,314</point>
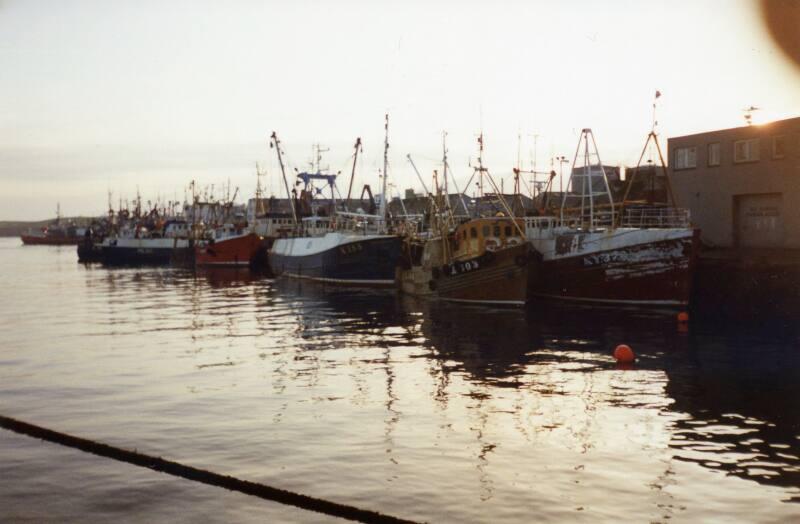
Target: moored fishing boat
<point>47,237</point>
<point>228,247</point>
<point>337,254</point>
<point>335,246</point>
<point>55,234</point>
<point>622,265</point>
<point>598,251</point>
<point>138,246</point>
<point>485,260</point>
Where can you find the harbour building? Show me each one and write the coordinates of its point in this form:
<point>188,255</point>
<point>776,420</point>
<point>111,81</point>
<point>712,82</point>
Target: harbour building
<point>742,185</point>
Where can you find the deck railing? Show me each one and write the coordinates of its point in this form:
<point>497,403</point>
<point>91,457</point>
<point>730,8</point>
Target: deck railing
<point>640,217</point>
<point>359,224</point>
<point>655,217</point>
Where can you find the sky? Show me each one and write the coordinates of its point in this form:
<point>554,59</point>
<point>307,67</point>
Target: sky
<point>111,96</point>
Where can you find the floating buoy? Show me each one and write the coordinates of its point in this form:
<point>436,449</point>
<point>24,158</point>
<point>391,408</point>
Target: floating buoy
<point>623,353</point>
<point>683,317</point>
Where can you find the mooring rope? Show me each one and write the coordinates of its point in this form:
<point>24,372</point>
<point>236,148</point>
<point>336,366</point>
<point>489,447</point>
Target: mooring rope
<point>198,475</point>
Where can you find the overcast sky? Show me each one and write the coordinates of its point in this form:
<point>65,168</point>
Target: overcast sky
<point>99,96</point>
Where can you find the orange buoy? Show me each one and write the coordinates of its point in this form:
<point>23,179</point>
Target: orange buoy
<point>683,317</point>
<point>624,353</point>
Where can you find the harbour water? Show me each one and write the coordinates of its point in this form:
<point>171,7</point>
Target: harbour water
<point>421,410</point>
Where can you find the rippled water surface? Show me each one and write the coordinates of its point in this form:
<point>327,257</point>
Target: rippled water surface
<point>421,410</point>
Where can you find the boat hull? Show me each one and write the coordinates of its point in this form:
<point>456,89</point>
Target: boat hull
<point>652,267</point>
<point>33,240</point>
<point>240,251</point>
<point>90,251</point>
<point>338,258</point>
<point>150,252</point>
<point>499,277</point>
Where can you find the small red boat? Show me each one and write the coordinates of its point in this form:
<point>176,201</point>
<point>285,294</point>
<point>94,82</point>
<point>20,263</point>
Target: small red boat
<point>228,248</point>
<point>55,234</point>
<point>48,240</point>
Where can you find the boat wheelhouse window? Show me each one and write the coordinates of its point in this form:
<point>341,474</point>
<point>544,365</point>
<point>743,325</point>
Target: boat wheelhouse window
<point>486,231</point>
<point>473,232</point>
<point>496,231</point>
<point>509,232</point>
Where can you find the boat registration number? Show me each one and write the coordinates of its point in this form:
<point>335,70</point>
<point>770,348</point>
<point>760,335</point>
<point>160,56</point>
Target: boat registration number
<point>464,267</point>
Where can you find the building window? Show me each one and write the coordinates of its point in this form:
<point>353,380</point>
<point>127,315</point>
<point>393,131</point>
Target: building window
<point>779,146</point>
<point>713,155</point>
<point>685,158</point>
<point>746,150</point>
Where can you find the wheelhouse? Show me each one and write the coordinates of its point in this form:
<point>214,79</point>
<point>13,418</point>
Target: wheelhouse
<point>476,237</point>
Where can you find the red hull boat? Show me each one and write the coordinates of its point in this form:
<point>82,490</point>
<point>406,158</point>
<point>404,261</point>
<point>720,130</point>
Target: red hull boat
<point>33,240</point>
<point>234,251</point>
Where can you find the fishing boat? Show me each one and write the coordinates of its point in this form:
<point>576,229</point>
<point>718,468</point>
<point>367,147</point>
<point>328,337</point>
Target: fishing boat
<point>334,254</point>
<point>482,260</point>
<point>596,250</point>
<point>332,245</point>
<point>139,246</point>
<point>52,236</point>
<point>228,246</point>
<point>485,260</point>
<point>55,234</point>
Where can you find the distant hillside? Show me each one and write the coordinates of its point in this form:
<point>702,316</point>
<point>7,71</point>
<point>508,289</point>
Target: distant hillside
<point>11,228</point>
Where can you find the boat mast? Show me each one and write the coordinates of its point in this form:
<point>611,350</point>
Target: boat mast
<point>444,168</point>
<point>276,144</point>
<point>588,173</point>
<point>605,179</point>
<point>587,176</point>
<point>629,182</point>
<point>258,190</point>
<point>480,164</point>
<point>421,180</point>
<point>455,184</point>
<point>353,172</point>
<point>385,169</point>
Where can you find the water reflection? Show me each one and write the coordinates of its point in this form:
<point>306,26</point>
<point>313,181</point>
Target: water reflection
<point>740,391</point>
<point>731,395</point>
<point>219,277</point>
<point>426,410</point>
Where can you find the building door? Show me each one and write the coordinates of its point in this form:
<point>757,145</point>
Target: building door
<point>759,220</point>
